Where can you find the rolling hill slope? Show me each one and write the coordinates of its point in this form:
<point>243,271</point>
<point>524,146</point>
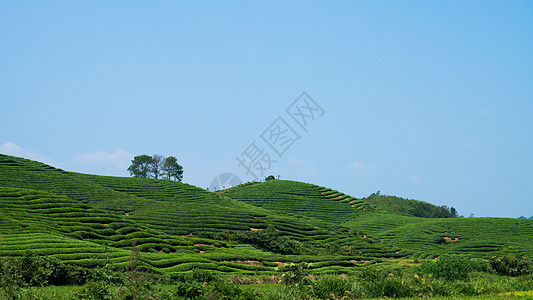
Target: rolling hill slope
<point>301,199</point>
<point>86,219</point>
<point>431,237</point>
<point>108,214</point>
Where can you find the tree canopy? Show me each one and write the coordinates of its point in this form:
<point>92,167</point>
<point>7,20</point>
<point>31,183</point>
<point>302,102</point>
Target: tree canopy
<point>171,169</point>
<point>140,166</point>
<point>156,166</point>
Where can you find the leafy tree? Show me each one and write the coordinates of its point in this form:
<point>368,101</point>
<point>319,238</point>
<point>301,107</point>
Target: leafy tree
<point>156,165</point>
<point>140,166</point>
<point>271,177</point>
<point>453,211</point>
<point>171,169</point>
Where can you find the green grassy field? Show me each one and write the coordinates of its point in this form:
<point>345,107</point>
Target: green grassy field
<point>249,230</point>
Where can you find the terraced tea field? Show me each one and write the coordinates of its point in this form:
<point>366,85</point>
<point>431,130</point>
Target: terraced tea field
<point>476,237</point>
<point>301,199</point>
<point>89,220</point>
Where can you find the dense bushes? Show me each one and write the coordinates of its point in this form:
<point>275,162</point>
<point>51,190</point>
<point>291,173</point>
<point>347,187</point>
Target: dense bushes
<point>32,270</point>
<point>411,207</point>
<point>269,240</point>
<point>432,279</point>
<point>449,268</point>
<point>511,265</point>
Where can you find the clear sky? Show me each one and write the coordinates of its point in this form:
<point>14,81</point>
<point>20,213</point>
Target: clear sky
<point>422,99</point>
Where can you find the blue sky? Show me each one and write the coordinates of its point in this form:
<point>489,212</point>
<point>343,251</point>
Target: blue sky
<point>424,100</point>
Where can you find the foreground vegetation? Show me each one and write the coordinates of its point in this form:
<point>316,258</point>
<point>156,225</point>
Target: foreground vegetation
<point>31,276</point>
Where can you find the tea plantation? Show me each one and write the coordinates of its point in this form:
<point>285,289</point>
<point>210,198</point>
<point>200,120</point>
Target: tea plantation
<point>255,229</point>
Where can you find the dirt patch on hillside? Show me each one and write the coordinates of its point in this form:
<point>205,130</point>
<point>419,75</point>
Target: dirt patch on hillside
<point>204,245</point>
<point>449,239</point>
<point>278,263</point>
<point>247,262</point>
<point>188,235</point>
<point>255,229</point>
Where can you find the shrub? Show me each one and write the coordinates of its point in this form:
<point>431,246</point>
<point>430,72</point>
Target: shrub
<point>226,290</point>
<point>448,268</point>
<point>10,280</point>
<point>189,290</point>
<point>511,265</point>
<point>97,290</point>
<point>329,286</point>
<point>202,275</point>
<point>294,273</point>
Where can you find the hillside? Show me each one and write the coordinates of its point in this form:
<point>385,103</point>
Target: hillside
<point>162,216</point>
<point>432,237</point>
<point>85,219</point>
<point>410,207</point>
<point>301,199</point>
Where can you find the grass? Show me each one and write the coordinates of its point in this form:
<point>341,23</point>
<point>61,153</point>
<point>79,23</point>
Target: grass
<point>160,215</point>
<point>90,221</point>
<point>476,237</point>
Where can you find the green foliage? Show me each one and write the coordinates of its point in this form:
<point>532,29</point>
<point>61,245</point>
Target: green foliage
<point>448,268</point>
<point>511,265</point>
<point>141,166</point>
<point>11,280</point>
<point>388,287</point>
<point>270,239</point>
<point>201,275</point>
<point>221,289</point>
<point>94,290</point>
<point>411,207</point>
<point>294,273</point>
<point>189,290</point>
<point>330,286</point>
<point>145,166</point>
<point>171,169</point>
<point>270,177</point>
<point>33,270</point>
<point>86,222</point>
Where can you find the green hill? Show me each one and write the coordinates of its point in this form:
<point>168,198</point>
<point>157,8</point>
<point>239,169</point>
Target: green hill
<point>301,199</point>
<point>410,207</point>
<point>86,219</point>
<point>178,226</point>
<point>432,237</point>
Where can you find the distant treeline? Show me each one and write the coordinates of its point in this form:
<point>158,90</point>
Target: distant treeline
<point>524,218</point>
<point>411,207</point>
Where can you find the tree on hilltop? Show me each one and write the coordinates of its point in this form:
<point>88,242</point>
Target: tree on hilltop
<point>156,166</point>
<point>171,169</point>
<point>141,166</point>
<point>271,177</point>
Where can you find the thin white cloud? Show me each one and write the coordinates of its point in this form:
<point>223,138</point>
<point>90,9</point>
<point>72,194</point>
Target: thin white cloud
<point>118,158</point>
<point>486,112</point>
<point>362,167</point>
<point>13,149</point>
<point>474,147</point>
<point>415,178</point>
<point>101,162</point>
<point>302,168</point>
